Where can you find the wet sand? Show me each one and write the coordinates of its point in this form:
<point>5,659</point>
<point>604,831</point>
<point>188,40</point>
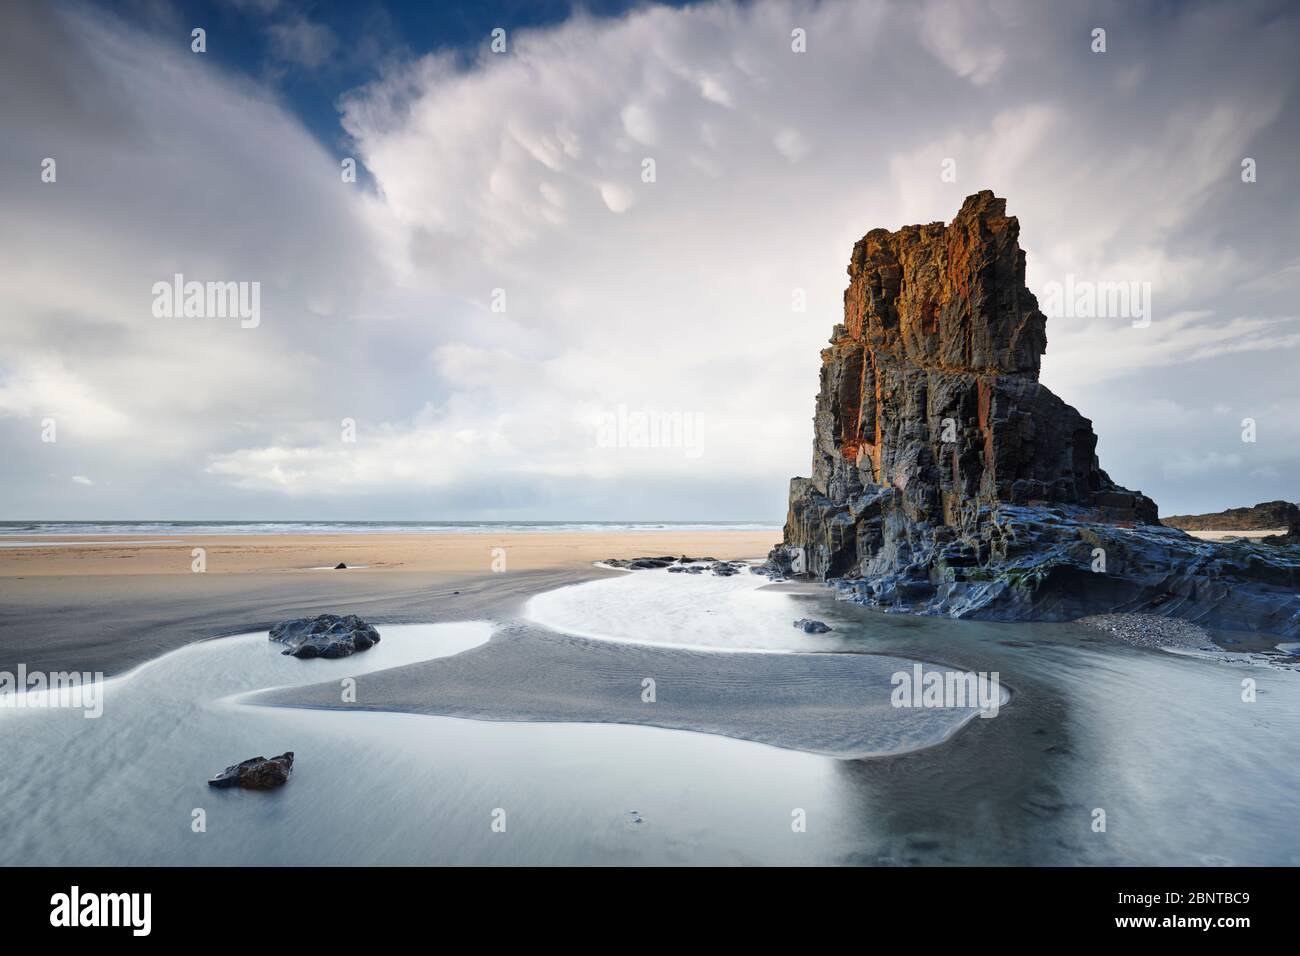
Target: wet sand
<point>129,603</point>
<point>364,553</point>
<point>109,607</point>
<point>833,704</point>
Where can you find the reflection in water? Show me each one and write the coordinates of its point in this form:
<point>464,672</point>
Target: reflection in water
<point>1186,772</point>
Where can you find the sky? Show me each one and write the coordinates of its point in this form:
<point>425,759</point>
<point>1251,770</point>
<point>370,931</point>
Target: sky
<point>507,317</point>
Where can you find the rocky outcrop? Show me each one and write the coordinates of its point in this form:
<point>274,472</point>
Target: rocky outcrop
<point>256,773</point>
<point>682,565</point>
<point>1262,517</point>
<point>947,479</point>
<point>327,635</point>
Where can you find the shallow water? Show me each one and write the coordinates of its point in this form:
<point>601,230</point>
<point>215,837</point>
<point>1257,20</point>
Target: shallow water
<point>1186,772</point>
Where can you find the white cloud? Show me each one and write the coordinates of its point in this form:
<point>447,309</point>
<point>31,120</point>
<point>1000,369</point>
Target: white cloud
<point>523,173</point>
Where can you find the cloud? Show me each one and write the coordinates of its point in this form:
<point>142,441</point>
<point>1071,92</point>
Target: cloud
<point>1185,465</point>
<point>523,173</point>
<point>81,480</point>
<point>302,42</point>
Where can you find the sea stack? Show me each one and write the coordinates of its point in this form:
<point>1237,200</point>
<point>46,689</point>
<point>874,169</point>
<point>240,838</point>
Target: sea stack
<point>947,479</point>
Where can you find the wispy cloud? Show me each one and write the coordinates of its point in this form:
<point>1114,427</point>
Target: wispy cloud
<point>299,41</point>
<point>514,274</point>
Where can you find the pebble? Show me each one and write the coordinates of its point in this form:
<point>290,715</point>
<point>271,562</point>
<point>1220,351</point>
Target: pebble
<point>1150,630</point>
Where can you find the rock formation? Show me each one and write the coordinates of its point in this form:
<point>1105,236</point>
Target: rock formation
<point>947,479</point>
<point>682,565</point>
<point>327,635</point>
<point>256,773</point>
<point>1262,517</point>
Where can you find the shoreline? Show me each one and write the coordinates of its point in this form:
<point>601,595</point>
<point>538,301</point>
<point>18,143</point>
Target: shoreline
<point>111,608</point>
<point>113,605</point>
<point>26,556</point>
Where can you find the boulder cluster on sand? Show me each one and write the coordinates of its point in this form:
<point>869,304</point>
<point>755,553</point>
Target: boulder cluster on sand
<point>256,773</point>
<point>947,479</point>
<point>1148,630</point>
<point>326,635</point>
<point>1261,517</point>
<point>679,565</point>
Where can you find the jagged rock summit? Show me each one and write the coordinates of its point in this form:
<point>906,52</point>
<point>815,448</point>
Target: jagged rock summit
<point>947,479</point>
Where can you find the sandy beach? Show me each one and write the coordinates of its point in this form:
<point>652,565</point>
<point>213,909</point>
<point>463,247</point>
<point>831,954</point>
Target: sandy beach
<point>1252,535</point>
<point>24,556</point>
<point>111,604</point>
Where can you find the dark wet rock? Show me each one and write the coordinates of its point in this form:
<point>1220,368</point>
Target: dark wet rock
<point>947,480</point>
<point>340,566</point>
<point>768,570</point>
<point>809,626</point>
<point>327,635</point>
<point>1261,517</point>
<point>256,773</point>
<point>640,564</point>
<point>682,565</point>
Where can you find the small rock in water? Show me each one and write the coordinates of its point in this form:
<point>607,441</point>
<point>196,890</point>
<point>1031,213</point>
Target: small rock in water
<point>256,773</point>
<point>327,635</point>
<point>809,626</point>
<point>340,566</point>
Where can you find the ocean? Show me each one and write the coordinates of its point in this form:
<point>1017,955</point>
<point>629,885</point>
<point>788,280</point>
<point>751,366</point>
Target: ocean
<point>64,528</point>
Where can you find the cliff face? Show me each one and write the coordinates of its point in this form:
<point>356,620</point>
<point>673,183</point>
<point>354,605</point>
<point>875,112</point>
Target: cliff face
<point>1260,517</point>
<point>930,411</point>
<point>945,477</point>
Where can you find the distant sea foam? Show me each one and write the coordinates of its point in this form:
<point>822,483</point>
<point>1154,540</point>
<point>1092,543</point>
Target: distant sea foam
<point>372,527</point>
